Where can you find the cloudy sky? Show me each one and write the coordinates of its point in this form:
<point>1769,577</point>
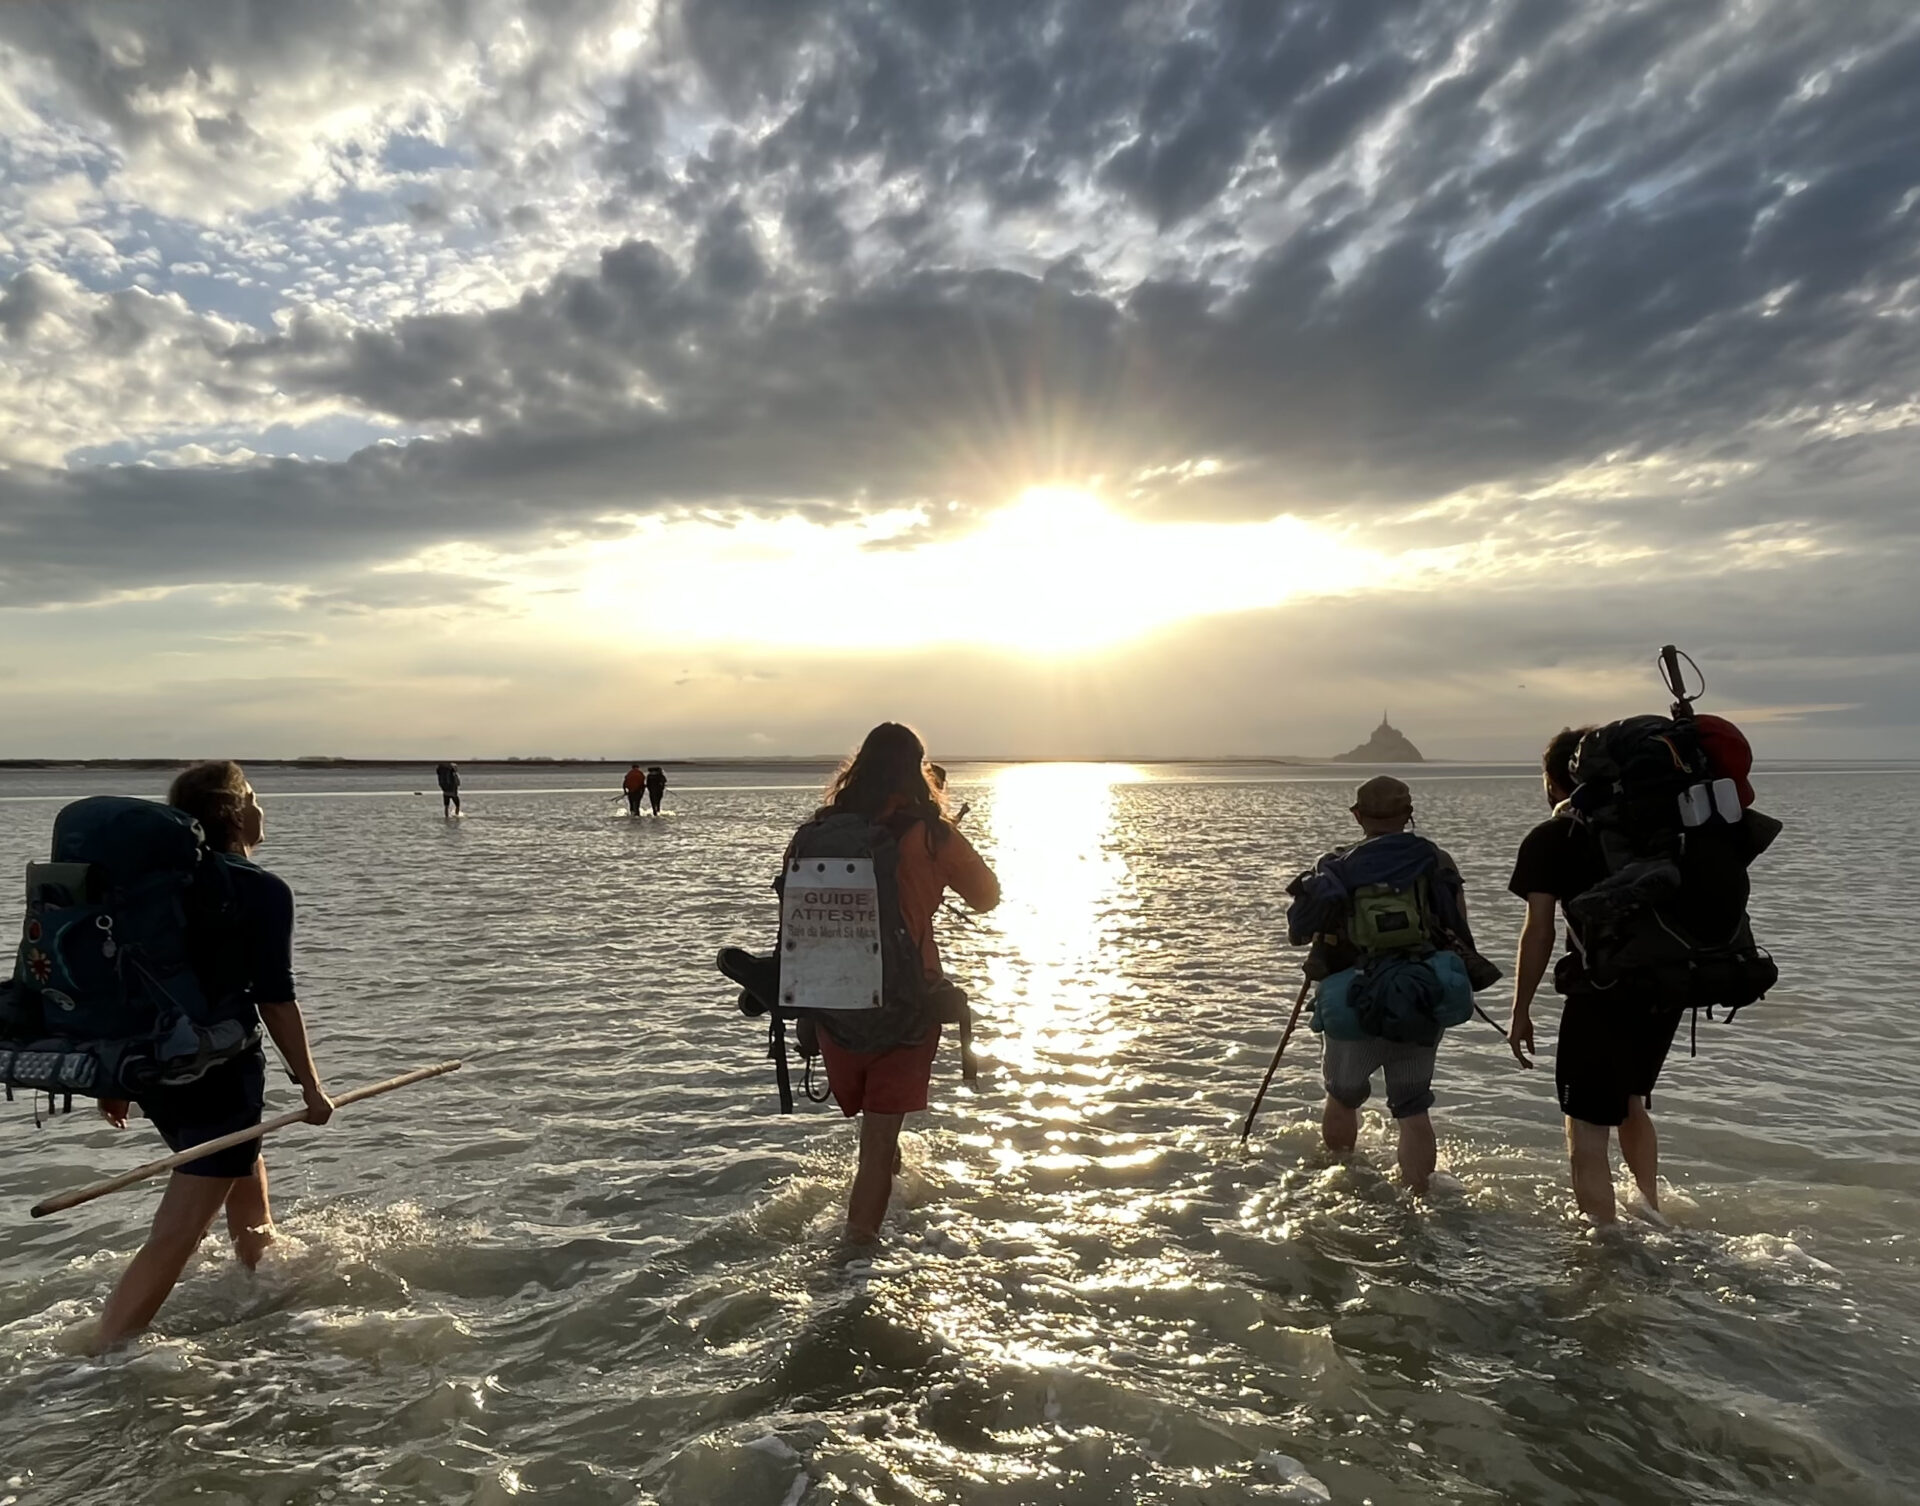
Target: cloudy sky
<point>1068,376</point>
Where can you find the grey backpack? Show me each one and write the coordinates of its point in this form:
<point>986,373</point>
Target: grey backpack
<point>831,852</point>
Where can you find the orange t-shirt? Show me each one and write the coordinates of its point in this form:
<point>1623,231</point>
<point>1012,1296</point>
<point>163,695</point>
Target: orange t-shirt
<point>636,780</point>
<point>926,874</point>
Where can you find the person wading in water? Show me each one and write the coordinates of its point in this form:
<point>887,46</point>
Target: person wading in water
<point>1615,1031</point>
<point>1383,807</point>
<point>230,1096</point>
<point>887,783</point>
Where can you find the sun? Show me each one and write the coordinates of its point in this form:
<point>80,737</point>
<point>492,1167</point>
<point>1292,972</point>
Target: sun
<point>1057,572</point>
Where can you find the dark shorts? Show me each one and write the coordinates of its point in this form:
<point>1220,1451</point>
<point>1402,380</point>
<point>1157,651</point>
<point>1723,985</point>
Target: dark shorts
<point>1610,1050</point>
<point>228,1098</point>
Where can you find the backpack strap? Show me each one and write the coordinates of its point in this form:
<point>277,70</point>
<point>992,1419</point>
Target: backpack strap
<point>777,1049</point>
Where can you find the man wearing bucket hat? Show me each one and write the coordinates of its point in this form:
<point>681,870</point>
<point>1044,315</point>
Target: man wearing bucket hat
<point>1422,872</point>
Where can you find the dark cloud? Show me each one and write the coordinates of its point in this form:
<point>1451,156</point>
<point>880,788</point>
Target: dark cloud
<point>27,299</point>
<point>727,255</point>
<point>131,65</point>
<point>405,590</point>
<point>812,222</point>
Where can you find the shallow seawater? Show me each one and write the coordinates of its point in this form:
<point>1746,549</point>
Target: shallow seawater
<point>596,1264</point>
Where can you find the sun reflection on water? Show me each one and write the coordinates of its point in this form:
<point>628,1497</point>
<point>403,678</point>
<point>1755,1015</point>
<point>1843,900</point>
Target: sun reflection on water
<point>1053,1266</point>
<point>1069,898</point>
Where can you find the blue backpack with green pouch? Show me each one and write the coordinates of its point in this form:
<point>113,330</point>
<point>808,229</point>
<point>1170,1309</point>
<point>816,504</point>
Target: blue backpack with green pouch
<point>1389,904</point>
<point>129,975</point>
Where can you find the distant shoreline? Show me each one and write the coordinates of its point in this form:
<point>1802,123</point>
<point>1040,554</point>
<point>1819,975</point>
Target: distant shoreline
<point>828,761</point>
<point>799,760</point>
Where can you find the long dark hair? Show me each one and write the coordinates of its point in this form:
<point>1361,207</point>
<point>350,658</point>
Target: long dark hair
<point>888,777</point>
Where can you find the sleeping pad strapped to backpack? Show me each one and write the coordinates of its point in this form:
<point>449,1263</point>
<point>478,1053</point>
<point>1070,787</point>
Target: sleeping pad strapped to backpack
<point>1673,822</point>
<point>1388,909</point>
<point>839,890</point>
<point>127,977</point>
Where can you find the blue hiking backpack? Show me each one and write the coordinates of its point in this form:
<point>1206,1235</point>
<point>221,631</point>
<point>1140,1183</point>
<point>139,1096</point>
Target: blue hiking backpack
<point>1394,955</point>
<point>128,976</point>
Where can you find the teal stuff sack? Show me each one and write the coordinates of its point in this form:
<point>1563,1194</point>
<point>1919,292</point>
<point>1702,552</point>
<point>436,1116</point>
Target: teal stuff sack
<point>1333,1014</point>
<point>1456,989</point>
<point>1395,998</point>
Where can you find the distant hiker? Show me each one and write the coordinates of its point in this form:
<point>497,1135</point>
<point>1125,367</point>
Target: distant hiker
<point>239,938</point>
<point>1387,922</point>
<point>635,786</point>
<point>1646,856</point>
<point>883,823</point>
<point>449,778</point>
<point>656,785</point>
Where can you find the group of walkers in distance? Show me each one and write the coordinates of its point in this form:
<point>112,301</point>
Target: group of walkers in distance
<point>648,784</point>
<point>1644,857</point>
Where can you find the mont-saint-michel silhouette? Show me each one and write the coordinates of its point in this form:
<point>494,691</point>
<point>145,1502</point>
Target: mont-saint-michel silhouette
<point>1388,744</point>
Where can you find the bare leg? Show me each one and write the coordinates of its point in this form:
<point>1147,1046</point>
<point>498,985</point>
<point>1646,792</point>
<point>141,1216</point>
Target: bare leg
<point>186,1211</point>
<point>1418,1151</point>
<point>1640,1149</point>
<point>1592,1171</point>
<point>873,1178</point>
<point>1339,1127</point>
<point>250,1216</point>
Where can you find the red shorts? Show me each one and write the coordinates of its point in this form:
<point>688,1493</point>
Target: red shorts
<point>880,1082</point>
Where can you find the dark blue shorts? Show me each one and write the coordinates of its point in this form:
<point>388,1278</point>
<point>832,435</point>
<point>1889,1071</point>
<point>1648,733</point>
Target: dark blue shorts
<point>228,1098</point>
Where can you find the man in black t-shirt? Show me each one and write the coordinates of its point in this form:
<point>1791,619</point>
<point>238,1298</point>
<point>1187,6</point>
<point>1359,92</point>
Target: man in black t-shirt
<point>1611,1048</point>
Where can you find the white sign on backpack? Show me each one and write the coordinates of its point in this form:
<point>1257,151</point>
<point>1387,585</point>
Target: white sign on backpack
<point>830,935</point>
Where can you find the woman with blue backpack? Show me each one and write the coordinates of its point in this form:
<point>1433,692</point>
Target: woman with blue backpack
<point>242,945</point>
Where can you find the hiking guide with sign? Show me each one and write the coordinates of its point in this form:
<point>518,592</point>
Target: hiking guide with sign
<point>857,965</point>
<point>1646,857</point>
<point>1393,958</point>
<point>152,953</point>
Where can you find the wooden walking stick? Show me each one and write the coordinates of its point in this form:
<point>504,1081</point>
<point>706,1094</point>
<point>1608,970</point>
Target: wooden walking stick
<point>66,1200</point>
<point>1274,1065</point>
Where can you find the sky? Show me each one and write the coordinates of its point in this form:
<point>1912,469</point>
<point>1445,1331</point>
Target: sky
<point>473,378</point>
